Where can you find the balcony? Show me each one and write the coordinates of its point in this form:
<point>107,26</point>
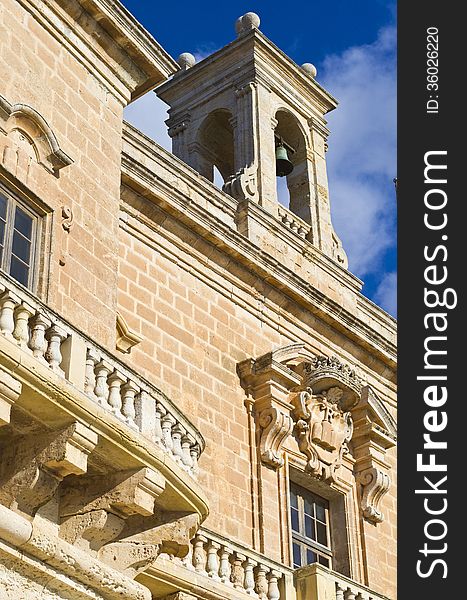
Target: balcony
<point>91,447</point>
<point>217,568</point>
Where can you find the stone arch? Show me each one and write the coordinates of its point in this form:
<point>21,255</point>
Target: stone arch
<point>27,122</point>
<point>290,131</point>
<point>215,145</point>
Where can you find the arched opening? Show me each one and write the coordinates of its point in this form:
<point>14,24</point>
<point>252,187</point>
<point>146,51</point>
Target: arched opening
<point>215,147</point>
<point>293,190</point>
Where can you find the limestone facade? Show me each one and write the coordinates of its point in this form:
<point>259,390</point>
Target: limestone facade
<point>180,358</point>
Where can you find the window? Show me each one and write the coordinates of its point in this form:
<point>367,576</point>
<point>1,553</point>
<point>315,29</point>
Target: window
<point>18,232</point>
<point>309,517</point>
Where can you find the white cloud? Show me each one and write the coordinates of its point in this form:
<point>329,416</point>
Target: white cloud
<point>148,114</point>
<point>362,150</point>
<point>386,294</point>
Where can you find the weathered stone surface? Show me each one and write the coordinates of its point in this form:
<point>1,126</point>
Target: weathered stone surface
<point>223,298</point>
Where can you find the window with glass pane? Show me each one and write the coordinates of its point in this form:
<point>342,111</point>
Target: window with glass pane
<point>309,518</point>
<point>18,228</point>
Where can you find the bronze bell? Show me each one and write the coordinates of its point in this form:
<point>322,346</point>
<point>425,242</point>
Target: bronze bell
<point>283,164</point>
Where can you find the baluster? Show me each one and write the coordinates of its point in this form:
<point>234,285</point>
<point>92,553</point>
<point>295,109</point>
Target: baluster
<point>339,592</point>
<point>55,336</point>
<point>199,555</point>
<point>37,342</point>
<point>167,423</point>
<point>349,594</point>
<point>115,381</point>
<point>261,582</point>
<point>187,441</point>
<point>92,359</point>
<point>129,392</point>
<point>158,434</point>
<point>273,588</point>
<point>213,559</point>
<point>249,581</point>
<point>177,432</point>
<point>237,575</point>
<point>224,565</point>
<point>101,390</point>
<point>22,314</point>
<point>194,453</point>
<point>8,301</point>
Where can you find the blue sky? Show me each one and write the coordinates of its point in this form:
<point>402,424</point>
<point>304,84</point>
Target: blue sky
<point>353,46</point>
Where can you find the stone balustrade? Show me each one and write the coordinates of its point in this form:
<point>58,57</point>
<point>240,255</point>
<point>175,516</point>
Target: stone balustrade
<point>314,582</point>
<point>40,332</point>
<point>293,222</point>
<point>346,589</point>
<point>235,566</point>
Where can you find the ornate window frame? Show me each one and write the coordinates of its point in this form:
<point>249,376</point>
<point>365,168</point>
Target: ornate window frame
<point>319,422</point>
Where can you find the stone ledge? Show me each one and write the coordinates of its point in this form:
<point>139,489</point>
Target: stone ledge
<point>114,31</point>
<point>36,548</point>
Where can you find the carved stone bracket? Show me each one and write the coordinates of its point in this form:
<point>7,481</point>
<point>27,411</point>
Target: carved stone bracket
<point>96,510</point>
<point>275,426</point>
<point>124,493</point>
<point>33,466</point>
<point>269,383</point>
<point>375,432</point>
<point>375,483</point>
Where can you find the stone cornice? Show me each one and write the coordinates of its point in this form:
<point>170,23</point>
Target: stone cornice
<point>115,48</point>
<point>262,60</point>
<point>367,325</point>
<point>141,47</point>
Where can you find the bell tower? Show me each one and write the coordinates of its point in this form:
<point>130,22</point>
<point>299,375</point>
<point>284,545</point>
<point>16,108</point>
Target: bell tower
<point>254,114</point>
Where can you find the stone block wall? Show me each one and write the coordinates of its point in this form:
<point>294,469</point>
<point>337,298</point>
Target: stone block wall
<point>40,68</point>
<point>200,313</point>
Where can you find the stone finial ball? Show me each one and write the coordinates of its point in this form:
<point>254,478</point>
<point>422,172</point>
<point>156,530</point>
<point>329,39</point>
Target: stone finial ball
<point>186,60</point>
<point>248,21</point>
<point>309,69</point>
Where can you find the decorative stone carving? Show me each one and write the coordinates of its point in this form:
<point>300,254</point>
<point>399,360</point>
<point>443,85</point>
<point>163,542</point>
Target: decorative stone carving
<point>242,185</point>
<point>276,427</point>
<point>375,484</point>
<point>338,252</point>
<point>375,432</point>
<point>323,429</point>
<point>96,510</point>
<point>323,422</point>
<point>323,372</point>
<point>186,61</point>
<point>67,218</point>
<point>270,382</point>
<point>25,127</point>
